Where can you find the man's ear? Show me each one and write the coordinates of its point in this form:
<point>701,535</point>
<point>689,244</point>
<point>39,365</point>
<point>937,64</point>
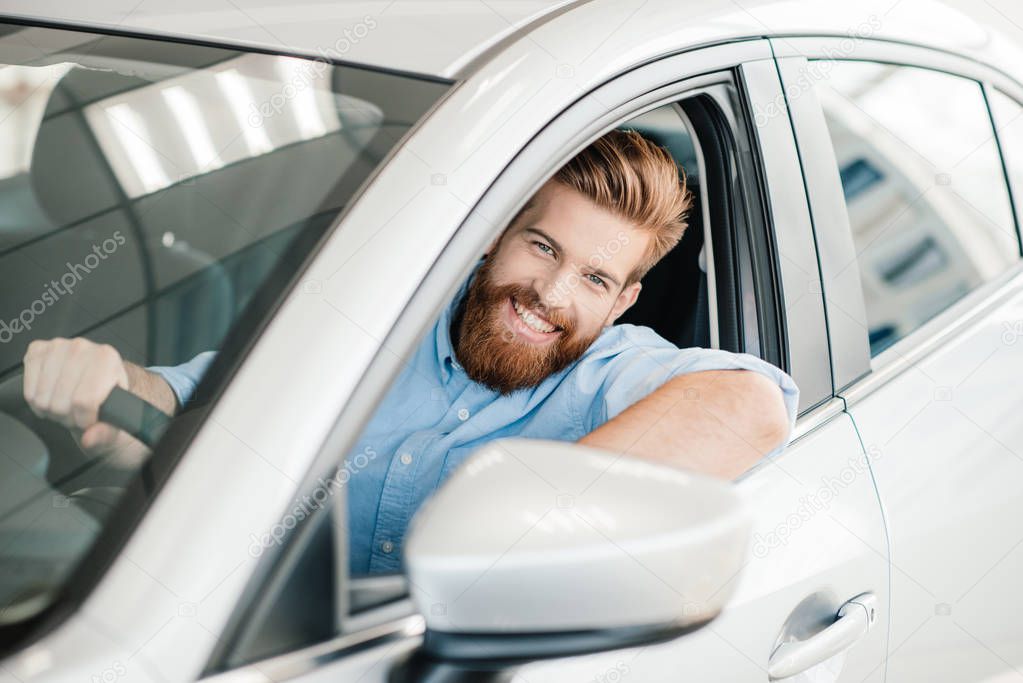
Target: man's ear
<point>624,301</point>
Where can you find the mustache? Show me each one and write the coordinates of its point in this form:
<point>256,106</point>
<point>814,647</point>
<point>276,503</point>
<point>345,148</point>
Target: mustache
<point>528,298</point>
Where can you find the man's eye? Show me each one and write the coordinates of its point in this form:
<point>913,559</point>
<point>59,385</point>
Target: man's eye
<point>597,280</point>
<point>544,247</point>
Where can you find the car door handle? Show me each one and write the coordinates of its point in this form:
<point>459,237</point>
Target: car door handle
<point>855,618</point>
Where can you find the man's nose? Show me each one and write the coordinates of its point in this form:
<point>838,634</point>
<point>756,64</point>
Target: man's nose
<point>553,289</point>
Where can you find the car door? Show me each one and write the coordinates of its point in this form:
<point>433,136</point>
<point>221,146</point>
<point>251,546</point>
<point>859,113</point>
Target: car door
<point>932,371</point>
<point>818,534</point>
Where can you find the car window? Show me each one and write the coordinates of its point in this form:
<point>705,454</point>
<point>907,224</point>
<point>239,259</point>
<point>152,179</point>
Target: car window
<point>149,193</point>
<point>930,212</point>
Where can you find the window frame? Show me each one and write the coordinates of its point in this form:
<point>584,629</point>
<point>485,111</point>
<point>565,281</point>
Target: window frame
<point>1015,199</point>
<point>665,81</point>
<point>861,374</point>
<point>804,314</point>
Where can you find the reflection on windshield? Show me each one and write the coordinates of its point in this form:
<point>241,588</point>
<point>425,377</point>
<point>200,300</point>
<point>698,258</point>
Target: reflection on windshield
<point>174,130</point>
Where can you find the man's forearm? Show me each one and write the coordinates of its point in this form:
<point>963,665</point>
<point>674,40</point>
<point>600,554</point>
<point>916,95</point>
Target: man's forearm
<point>151,387</point>
<point>717,422</point>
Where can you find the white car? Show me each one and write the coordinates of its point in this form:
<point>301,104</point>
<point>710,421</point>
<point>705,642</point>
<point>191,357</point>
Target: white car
<point>304,187</point>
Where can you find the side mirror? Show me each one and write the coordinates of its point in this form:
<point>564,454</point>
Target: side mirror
<point>545,548</point>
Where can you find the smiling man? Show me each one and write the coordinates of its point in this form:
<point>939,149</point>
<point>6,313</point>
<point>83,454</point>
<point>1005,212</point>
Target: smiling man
<point>527,348</point>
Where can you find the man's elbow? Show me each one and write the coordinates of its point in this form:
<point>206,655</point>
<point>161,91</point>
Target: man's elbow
<point>770,418</point>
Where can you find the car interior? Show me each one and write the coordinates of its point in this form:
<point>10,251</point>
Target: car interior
<point>674,297</point>
<point>689,298</point>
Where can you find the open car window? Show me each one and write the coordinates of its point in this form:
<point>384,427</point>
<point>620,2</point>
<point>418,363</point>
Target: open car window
<point>150,193</point>
<point>313,599</point>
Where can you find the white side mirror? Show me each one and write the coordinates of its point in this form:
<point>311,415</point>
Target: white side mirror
<point>546,538</point>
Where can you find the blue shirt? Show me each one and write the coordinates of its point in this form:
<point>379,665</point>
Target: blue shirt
<point>434,417</point>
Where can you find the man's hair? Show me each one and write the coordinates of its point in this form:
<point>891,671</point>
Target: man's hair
<point>637,180</point>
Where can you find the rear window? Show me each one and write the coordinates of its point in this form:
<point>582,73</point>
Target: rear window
<point>930,212</point>
<point>150,192</point>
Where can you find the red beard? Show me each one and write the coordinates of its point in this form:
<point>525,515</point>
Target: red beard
<point>491,352</point>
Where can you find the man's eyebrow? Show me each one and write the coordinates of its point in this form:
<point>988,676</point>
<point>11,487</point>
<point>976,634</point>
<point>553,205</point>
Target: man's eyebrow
<point>541,233</point>
<point>607,276</point>
<point>557,247</point>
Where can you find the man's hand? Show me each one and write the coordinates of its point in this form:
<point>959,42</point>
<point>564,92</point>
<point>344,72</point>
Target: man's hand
<point>67,380</point>
<point>718,422</point>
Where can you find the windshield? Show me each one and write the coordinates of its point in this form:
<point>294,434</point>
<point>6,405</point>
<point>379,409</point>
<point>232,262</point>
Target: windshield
<point>156,197</point>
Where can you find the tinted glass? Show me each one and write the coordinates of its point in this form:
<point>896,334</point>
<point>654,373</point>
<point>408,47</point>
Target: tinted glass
<point>925,190</point>
<point>147,192</point>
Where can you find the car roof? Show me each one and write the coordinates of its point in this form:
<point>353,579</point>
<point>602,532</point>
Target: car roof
<point>446,38</point>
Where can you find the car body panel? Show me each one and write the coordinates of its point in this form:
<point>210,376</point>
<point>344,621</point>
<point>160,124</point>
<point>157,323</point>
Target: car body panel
<point>444,38</point>
<point>949,472</point>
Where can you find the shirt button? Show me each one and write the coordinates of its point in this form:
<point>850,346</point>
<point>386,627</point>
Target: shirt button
<point>406,459</point>
<point>463,414</point>
<point>387,547</point>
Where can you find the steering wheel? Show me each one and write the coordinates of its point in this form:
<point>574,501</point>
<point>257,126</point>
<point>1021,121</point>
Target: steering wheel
<point>121,408</point>
<point>34,447</point>
<point>135,415</point>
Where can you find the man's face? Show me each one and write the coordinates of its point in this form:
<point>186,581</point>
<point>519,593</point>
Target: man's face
<point>548,287</point>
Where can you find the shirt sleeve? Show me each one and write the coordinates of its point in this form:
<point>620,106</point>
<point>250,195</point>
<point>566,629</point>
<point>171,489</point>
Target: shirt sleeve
<point>184,378</point>
<point>637,371</point>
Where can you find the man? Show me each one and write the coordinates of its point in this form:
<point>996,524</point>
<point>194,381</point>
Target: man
<point>526,348</point>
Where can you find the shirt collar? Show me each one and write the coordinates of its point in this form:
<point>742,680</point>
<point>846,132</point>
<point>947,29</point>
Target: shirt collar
<point>442,332</point>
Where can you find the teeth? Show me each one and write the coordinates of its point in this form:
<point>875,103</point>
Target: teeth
<point>533,322</point>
